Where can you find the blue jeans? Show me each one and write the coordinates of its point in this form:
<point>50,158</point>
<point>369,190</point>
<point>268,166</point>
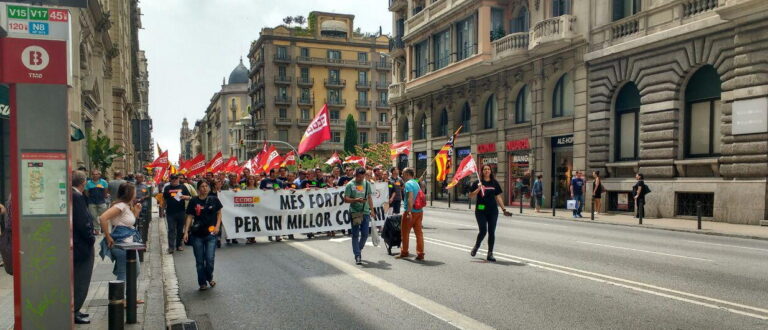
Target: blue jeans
<point>205,253</point>
<point>120,264</point>
<point>360,235</point>
<point>579,204</point>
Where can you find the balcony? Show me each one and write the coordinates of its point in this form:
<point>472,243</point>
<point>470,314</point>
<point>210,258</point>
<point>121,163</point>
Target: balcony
<point>363,104</point>
<point>337,122</point>
<point>255,87</point>
<point>282,58</point>
<point>396,91</point>
<point>258,105</point>
<point>383,85</point>
<point>382,124</point>
<point>511,45</point>
<point>383,65</point>
<point>553,33</point>
<point>283,80</point>
<point>397,46</point>
<point>305,81</point>
<point>335,83</point>
<point>364,124</point>
<point>282,100</point>
<point>433,12</point>
<point>336,103</point>
<point>363,85</point>
<point>382,104</point>
<point>333,62</point>
<point>305,101</point>
<point>395,5</point>
<point>303,122</point>
<point>258,64</point>
<point>283,121</point>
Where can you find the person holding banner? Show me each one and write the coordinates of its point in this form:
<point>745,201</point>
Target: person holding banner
<point>272,182</point>
<point>486,209</point>
<point>358,194</point>
<point>202,225</point>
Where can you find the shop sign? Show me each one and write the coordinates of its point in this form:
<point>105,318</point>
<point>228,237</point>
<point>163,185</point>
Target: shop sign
<point>521,144</point>
<point>421,156</point>
<point>486,148</point>
<point>562,141</point>
<point>490,161</point>
<point>520,159</point>
<point>33,61</point>
<point>622,201</point>
<point>463,152</point>
<point>750,116</point>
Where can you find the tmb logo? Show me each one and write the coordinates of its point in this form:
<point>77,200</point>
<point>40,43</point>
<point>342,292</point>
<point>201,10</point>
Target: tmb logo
<point>35,58</point>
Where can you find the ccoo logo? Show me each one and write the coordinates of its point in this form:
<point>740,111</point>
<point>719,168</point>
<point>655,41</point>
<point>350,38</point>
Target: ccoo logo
<point>35,58</point>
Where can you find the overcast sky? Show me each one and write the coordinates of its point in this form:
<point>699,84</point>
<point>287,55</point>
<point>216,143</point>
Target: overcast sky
<point>192,44</point>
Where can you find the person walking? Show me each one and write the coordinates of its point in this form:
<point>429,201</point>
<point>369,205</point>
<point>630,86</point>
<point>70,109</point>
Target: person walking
<point>640,190</point>
<point>115,183</point>
<point>174,196</point>
<point>358,193</point>
<point>412,217</point>
<point>488,192</point>
<point>597,192</point>
<point>395,186</point>
<point>118,225</point>
<point>82,246</point>
<point>201,227</point>
<point>538,193</point>
<point>577,193</point>
<point>96,189</point>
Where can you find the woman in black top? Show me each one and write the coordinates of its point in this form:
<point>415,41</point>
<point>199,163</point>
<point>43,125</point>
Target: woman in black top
<point>488,192</point>
<point>202,226</point>
<point>597,191</point>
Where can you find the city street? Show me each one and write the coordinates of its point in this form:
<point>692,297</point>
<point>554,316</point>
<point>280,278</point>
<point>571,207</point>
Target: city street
<point>549,274</point>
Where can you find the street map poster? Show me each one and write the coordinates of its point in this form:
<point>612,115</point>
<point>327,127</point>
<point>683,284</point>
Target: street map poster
<point>44,183</point>
<point>258,213</point>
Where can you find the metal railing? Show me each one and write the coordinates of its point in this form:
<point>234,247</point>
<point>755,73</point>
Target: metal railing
<point>283,99</point>
<point>283,79</point>
<point>336,102</point>
<point>335,82</point>
<point>282,58</point>
<point>305,80</point>
<point>363,84</point>
<point>363,104</point>
<point>305,100</point>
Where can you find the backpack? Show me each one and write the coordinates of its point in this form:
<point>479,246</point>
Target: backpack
<point>421,200</point>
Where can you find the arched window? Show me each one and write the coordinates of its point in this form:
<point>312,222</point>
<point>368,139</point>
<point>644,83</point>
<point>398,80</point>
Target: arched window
<point>423,127</point>
<point>703,113</point>
<point>490,112</point>
<point>562,97</point>
<point>627,122</point>
<point>465,116</point>
<point>442,125</point>
<point>523,106</point>
<point>561,7</point>
<point>404,130</point>
<point>521,22</point>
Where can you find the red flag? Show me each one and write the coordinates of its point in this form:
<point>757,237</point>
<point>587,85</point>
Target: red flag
<point>289,159</point>
<point>161,161</point>
<point>274,163</point>
<point>270,158</point>
<point>400,148</point>
<point>215,163</point>
<point>195,165</point>
<point>360,160</point>
<point>318,131</point>
<point>467,167</point>
<point>160,174</point>
<point>263,158</point>
<point>334,159</point>
<point>230,164</point>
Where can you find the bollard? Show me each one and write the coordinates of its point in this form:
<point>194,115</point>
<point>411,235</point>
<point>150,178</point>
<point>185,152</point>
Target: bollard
<point>592,214</point>
<point>469,202</point>
<point>640,212</point>
<point>554,195</point>
<point>521,201</point>
<point>116,307</point>
<point>431,198</point>
<point>131,276</point>
<point>698,214</point>
<point>449,200</point>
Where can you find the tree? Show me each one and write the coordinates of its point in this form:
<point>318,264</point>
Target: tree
<point>300,20</point>
<point>101,152</point>
<point>350,135</point>
<point>288,20</point>
<point>377,154</point>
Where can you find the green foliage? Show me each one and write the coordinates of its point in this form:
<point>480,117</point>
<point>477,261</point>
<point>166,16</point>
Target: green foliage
<point>350,135</point>
<point>101,151</point>
<point>377,154</point>
<point>498,33</point>
<point>312,23</point>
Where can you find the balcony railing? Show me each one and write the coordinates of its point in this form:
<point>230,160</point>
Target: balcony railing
<point>258,104</point>
<point>382,124</point>
<point>363,104</point>
<point>383,85</point>
<point>337,83</point>
<point>283,99</point>
<point>397,4</point>
<point>332,62</point>
<point>382,104</point>
<point>383,65</point>
<point>553,30</point>
<point>283,80</point>
<point>305,81</point>
<point>363,84</point>
<point>304,100</point>
<point>364,124</point>
<point>433,12</point>
<point>303,121</point>
<point>282,58</point>
<point>337,122</point>
<point>283,121</point>
<point>396,43</point>
<point>336,102</point>
<point>695,7</point>
<point>513,44</point>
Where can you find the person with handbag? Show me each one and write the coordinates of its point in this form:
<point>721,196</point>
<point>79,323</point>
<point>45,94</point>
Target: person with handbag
<point>597,191</point>
<point>202,225</point>
<point>488,192</point>
<point>577,194</point>
<point>357,194</point>
<point>118,225</point>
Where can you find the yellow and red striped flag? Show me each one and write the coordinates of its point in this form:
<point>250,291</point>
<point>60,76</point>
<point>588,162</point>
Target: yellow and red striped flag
<point>443,158</point>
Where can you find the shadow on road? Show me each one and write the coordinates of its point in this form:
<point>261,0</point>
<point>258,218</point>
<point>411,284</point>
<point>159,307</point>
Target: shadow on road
<point>383,265</point>
<point>427,263</point>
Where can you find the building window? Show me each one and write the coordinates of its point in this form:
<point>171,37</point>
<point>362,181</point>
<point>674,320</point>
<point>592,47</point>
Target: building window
<point>335,114</point>
<point>305,114</point>
<point>703,113</point>
<point>521,22</point>
<point>627,122</point>
<point>282,113</point>
<point>334,76</point>
<point>421,51</point>
<point>334,55</point>
<point>625,8</point>
<point>442,126</point>
<point>305,94</point>
<point>423,127</point>
<point>497,23</point>
<point>523,106</point>
<point>383,137</point>
<point>282,135</point>
<point>304,74</point>
<point>362,97</point>
<point>362,137</point>
<point>490,112</point>
<point>304,52</point>
<point>561,7</point>
<point>282,93</point>
<point>362,57</point>
<point>334,96</point>
<point>404,130</point>
<point>282,52</point>
<point>281,72</point>
<point>336,137</point>
<point>562,97</point>
<point>466,114</point>
<point>363,116</point>
<point>465,38</point>
<point>442,45</point>
<point>362,77</point>
<point>383,117</point>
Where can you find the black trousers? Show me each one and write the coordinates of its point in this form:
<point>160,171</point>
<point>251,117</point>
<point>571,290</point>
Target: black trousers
<point>175,229</point>
<point>486,221</point>
<point>82,272</point>
<point>640,207</point>
<point>396,206</point>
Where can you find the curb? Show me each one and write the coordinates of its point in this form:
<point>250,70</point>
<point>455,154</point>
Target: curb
<point>713,233</point>
<point>175,311</point>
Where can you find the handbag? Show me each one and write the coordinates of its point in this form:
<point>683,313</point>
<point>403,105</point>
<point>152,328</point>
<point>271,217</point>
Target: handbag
<point>571,204</point>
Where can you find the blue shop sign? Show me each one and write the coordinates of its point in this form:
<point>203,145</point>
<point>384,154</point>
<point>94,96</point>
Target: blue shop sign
<point>463,152</point>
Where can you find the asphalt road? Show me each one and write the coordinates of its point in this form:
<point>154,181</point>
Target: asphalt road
<point>549,274</point>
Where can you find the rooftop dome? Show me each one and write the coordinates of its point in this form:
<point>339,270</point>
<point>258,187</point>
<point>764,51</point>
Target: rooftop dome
<point>239,75</point>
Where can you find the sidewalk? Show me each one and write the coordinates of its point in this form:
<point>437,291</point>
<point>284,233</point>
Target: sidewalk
<point>687,225</point>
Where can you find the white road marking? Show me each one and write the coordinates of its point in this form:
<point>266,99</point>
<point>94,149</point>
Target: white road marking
<point>339,240</point>
<point>426,305</point>
<point>624,283</point>
<point>728,245</point>
<point>644,251</point>
<point>453,223</point>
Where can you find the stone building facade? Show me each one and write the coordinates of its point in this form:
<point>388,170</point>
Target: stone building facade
<point>295,70</point>
<point>678,91</point>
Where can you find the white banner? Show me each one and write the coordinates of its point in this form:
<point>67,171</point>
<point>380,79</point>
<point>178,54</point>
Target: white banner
<point>251,213</point>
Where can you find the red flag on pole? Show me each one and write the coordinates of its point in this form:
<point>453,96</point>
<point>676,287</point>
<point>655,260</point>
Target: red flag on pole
<point>319,130</point>
<point>215,163</point>
<point>160,173</point>
<point>161,161</point>
<point>400,148</point>
<point>270,158</point>
<point>230,164</point>
<point>289,159</point>
<point>467,167</point>
<point>274,163</point>
<point>360,160</point>
<point>194,166</point>
<point>334,159</point>
<point>263,159</point>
